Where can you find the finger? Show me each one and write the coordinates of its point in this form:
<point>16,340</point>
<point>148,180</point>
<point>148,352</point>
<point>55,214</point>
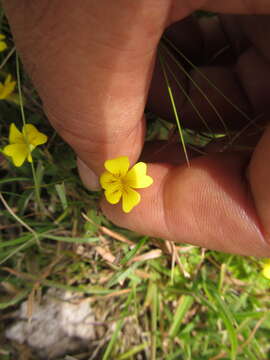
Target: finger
<point>201,106</point>
<point>259,175</point>
<point>245,92</point>
<point>253,7</point>
<point>257,30</point>
<point>88,177</point>
<point>256,83</point>
<point>164,151</point>
<point>206,205</point>
<point>92,65</point>
<point>208,98</point>
<point>220,6</point>
<point>220,108</point>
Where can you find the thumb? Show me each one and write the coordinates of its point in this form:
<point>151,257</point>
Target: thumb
<point>207,204</point>
<point>92,64</point>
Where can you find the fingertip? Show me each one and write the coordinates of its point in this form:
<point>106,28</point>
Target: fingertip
<point>88,177</point>
<point>147,217</point>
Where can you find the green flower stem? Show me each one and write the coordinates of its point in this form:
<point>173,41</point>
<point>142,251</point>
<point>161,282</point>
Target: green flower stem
<point>37,188</point>
<point>36,184</point>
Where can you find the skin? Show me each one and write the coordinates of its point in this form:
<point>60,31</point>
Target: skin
<point>92,64</point>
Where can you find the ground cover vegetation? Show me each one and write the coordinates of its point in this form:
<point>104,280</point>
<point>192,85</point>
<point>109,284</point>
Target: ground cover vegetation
<point>152,299</point>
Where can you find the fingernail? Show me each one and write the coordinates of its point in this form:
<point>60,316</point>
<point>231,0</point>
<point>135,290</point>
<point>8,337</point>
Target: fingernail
<point>88,177</point>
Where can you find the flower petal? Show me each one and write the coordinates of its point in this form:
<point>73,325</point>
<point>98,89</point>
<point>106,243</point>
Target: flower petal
<point>18,152</point>
<point>3,45</point>
<point>107,180</point>
<point>29,157</point>
<point>137,178</point>
<point>266,270</point>
<point>118,166</point>
<point>7,88</point>
<point>34,137</point>
<point>113,197</point>
<point>8,79</point>
<point>15,136</point>
<point>130,199</point>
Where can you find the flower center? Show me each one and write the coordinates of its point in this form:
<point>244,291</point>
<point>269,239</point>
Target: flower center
<point>120,180</point>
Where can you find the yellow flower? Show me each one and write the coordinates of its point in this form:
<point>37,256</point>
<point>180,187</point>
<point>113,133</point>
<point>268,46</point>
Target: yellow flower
<point>3,44</point>
<point>118,182</point>
<point>266,270</point>
<point>7,88</point>
<point>21,144</point>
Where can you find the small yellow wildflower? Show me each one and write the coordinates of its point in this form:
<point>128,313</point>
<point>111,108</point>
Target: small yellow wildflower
<point>3,44</point>
<point>21,144</point>
<point>118,182</point>
<point>7,88</point>
<point>266,270</point>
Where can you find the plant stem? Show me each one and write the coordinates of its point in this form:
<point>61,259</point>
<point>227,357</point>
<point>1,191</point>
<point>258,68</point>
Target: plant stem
<point>36,184</point>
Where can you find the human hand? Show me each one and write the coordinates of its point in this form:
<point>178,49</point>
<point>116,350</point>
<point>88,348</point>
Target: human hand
<point>92,66</point>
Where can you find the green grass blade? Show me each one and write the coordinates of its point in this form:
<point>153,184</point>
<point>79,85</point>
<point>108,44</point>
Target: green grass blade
<point>134,251</point>
<point>207,80</point>
<point>14,179</point>
<point>75,240</point>
<point>184,305</point>
<point>17,241</point>
<point>118,328</point>
<point>112,342</point>
<point>154,319</point>
<point>196,110</point>
<point>135,350</point>
<point>122,275</point>
<point>213,107</point>
<point>61,191</point>
<point>229,321</point>
<point>15,300</point>
<point>174,108</point>
<point>8,255</point>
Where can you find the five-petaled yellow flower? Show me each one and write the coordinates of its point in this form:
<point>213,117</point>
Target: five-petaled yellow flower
<point>3,44</point>
<point>118,182</point>
<point>266,270</point>
<point>21,144</point>
<point>7,88</point>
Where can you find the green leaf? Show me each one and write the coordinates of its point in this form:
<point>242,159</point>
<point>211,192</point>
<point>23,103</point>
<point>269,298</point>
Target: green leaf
<point>229,322</point>
<point>15,300</point>
<point>184,305</point>
<point>61,191</point>
<point>78,240</point>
